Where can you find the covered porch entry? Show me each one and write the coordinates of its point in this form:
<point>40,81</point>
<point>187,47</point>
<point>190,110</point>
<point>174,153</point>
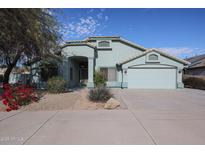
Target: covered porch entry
<point>78,64</point>
<point>78,71</point>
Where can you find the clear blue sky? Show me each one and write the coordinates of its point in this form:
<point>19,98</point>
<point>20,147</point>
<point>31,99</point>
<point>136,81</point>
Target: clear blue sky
<point>180,32</point>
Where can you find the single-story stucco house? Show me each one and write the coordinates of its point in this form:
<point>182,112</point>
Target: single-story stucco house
<point>197,66</point>
<point>18,75</point>
<point>125,64</point>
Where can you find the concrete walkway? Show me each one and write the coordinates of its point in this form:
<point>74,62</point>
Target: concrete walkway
<point>153,117</point>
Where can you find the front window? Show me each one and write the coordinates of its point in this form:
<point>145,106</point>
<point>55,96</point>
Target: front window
<point>110,74</point>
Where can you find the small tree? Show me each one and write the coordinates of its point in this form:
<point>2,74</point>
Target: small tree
<point>26,35</point>
<point>99,79</point>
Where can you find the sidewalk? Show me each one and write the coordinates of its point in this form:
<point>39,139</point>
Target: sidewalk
<point>72,127</point>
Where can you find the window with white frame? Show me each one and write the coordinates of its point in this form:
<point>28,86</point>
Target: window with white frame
<point>104,44</point>
<point>153,57</point>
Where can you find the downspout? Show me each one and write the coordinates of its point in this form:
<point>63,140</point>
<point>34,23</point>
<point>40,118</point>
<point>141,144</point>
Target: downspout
<point>122,79</point>
<point>119,68</point>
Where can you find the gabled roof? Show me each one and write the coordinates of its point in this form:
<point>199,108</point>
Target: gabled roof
<point>95,37</point>
<point>195,58</point>
<point>197,61</point>
<point>114,38</point>
<point>117,38</point>
<point>154,50</point>
<point>133,44</point>
<point>78,43</point>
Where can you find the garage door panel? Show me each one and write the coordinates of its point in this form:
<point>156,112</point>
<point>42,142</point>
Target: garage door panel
<point>152,78</point>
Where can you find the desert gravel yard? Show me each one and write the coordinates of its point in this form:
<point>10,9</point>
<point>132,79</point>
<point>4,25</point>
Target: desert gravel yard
<point>151,117</point>
<point>75,100</point>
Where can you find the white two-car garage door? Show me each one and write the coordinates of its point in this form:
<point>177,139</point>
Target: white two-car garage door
<point>152,78</point>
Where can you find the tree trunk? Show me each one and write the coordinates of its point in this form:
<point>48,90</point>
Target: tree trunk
<point>10,67</point>
<point>7,74</point>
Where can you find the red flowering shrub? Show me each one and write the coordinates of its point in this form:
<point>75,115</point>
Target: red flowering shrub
<point>18,95</point>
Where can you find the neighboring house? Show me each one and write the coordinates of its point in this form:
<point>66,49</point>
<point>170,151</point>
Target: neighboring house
<point>125,64</point>
<point>18,75</point>
<point>197,66</point>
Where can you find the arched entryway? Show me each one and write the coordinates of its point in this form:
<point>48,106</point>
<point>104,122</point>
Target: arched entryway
<point>78,71</point>
<point>78,65</point>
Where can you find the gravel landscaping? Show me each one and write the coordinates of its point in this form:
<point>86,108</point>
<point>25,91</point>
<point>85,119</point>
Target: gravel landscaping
<point>76,100</point>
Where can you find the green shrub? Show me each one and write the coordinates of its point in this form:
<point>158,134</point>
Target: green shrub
<point>100,94</point>
<point>99,80</point>
<point>194,82</point>
<point>56,85</point>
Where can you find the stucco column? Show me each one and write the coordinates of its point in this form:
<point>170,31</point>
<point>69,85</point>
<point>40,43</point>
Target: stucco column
<point>125,80</point>
<point>65,69</point>
<point>90,83</point>
<point>179,78</point>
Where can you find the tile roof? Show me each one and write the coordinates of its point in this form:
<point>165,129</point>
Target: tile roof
<point>102,37</point>
<point>154,50</point>
<point>78,42</point>
<point>118,38</point>
<point>197,61</point>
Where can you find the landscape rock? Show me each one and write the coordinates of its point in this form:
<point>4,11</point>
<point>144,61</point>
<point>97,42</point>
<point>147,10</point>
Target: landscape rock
<point>112,104</point>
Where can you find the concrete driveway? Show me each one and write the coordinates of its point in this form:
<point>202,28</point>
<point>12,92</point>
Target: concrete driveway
<point>169,116</point>
<point>152,117</point>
